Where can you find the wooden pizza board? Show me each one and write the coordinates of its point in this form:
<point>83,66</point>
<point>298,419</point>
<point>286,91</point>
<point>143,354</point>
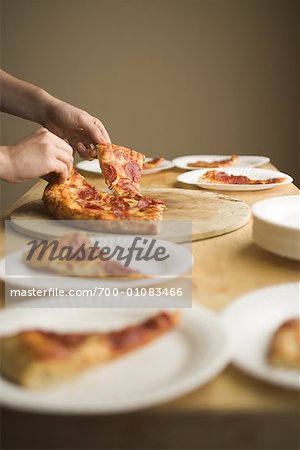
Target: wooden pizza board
<point>211,215</point>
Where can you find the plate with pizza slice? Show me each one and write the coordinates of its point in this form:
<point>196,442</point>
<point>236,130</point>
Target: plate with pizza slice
<point>194,162</point>
<point>150,165</point>
<point>79,261</point>
<point>91,361</point>
<point>236,179</point>
<point>264,329</point>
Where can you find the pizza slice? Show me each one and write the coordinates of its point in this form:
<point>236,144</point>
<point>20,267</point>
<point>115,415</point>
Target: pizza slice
<point>215,176</point>
<point>230,161</point>
<point>73,261</point>
<point>152,163</point>
<point>284,349</point>
<point>89,208</point>
<point>121,168</point>
<point>39,358</point>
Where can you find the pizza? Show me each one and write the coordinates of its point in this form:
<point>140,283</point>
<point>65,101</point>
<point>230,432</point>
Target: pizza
<point>284,349</point>
<point>38,358</point>
<point>152,163</point>
<point>215,176</point>
<point>78,263</point>
<point>123,210</point>
<point>77,200</point>
<point>230,161</point>
<point>121,168</point>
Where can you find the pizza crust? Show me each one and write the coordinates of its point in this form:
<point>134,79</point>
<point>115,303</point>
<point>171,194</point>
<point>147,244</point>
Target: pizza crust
<point>38,358</point>
<point>154,162</point>
<point>218,163</point>
<point>284,349</point>
<point>63,201</point>
<point>215,176</point>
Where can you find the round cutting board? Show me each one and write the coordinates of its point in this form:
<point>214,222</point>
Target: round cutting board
<point>208,214</point>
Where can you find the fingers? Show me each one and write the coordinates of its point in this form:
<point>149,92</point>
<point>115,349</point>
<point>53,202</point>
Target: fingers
<point>65,158</point>
<point>47,138</point>
<point>57,171</point>
<point>63,153</point>
<point>86,152</point>
<point>80,147</point>
<point>102,129</point>
<point>94,129</point>
<point>58,151</point>
<point>61,143</point>
<point>62,171</point>
<point>49,176</point>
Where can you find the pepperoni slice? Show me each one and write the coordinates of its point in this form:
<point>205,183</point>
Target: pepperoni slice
<point>55,345</point>
<point>119,154</point>
<point>119,203</point>
<point>240,180</point>
<point>76,175</point>
<point>133,171</point>
<point>92,206</point>
<point>231,179</point>
<point>114,268</point>
<point>68,340</point>
<point>143,203</point>
<point>155,201</point>
<point>89,193</point>
<point>120,214</point>
<point>126,187</point>
<point>133,335</point>
<point>109,172</point>
<point>223,177</point>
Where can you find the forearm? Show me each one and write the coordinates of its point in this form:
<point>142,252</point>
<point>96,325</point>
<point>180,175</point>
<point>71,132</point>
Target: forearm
<point>23,99</point>
<point>5,164</point>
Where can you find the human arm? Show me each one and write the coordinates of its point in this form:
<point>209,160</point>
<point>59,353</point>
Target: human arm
<point>39,154</point>
<point>30,102</point>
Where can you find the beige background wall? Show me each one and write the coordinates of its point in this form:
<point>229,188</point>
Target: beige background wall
<point>168,77</point>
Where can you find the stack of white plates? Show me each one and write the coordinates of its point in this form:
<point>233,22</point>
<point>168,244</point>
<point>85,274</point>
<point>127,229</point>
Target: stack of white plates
<point>276,225</point>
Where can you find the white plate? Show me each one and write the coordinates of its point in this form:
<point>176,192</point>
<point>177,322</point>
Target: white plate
<point>89,166</point>
<point>180,261</point>
<point>251,322</point>
<point>282,211</point>
<point>243,160</point>
<point>166,164</point>
<point>173,365</point>
<point>93,166</point>
<point>276,225</point>
<point>193,177</point>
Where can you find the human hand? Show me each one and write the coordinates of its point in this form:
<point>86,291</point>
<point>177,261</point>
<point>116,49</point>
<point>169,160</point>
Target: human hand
<point>79,128</point>
<point>39,154</point>
<point>76,126</point>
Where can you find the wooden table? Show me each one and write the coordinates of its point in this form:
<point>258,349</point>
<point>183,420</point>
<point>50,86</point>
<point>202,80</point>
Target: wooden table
<point>232,411</point>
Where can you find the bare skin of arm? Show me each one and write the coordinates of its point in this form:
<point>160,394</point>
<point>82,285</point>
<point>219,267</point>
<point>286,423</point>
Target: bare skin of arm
<point>68,127</point>
<point>40,154</point>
